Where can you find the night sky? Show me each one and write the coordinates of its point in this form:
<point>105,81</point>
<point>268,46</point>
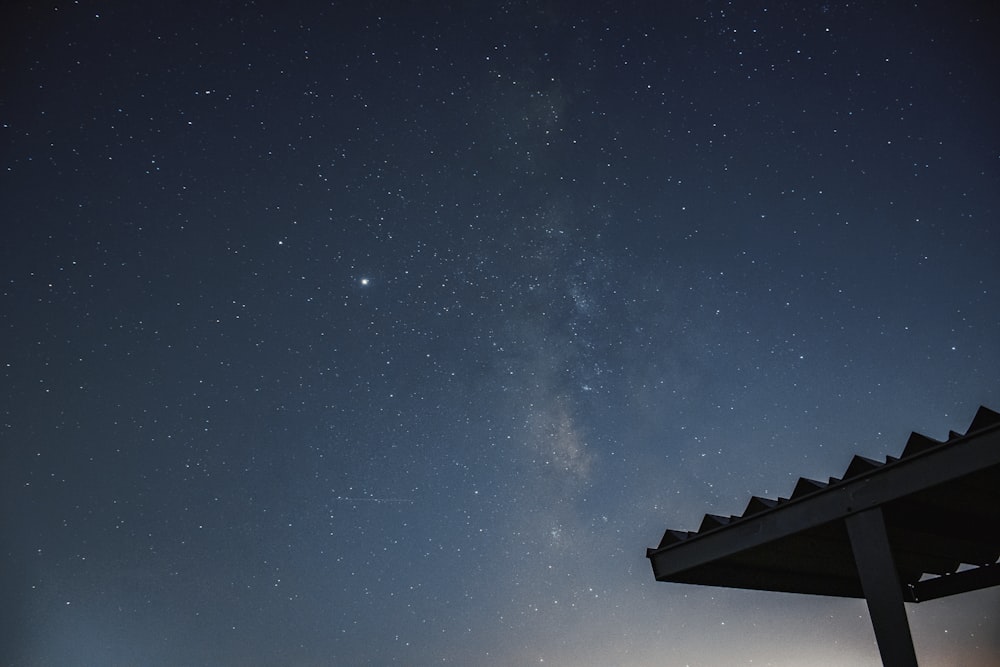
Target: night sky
<point>363,333</point>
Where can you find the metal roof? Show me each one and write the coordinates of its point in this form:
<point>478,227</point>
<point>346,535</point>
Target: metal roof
<point>941,507</point>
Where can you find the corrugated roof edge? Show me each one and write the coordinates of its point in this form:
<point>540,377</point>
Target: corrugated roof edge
<point>916,445</point>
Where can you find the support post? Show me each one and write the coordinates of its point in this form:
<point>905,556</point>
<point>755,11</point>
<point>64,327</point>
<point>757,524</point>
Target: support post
<point>880,583</point>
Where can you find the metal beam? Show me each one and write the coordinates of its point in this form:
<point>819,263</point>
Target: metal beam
<point>880,583</point>
<point>975,579</point>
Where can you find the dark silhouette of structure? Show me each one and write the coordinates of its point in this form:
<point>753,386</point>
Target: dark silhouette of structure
<point>921,526</point>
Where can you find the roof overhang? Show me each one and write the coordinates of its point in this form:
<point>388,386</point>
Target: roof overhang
<point>941,512</point>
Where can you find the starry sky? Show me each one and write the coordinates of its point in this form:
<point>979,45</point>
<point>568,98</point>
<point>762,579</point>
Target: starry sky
<point>360,333</point>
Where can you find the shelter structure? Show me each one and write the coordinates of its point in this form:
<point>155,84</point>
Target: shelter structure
<point>916,527</point>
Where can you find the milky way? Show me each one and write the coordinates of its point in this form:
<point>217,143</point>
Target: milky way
<point>366,335</point>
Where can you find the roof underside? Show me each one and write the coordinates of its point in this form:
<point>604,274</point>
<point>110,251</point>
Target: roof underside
<point>941,510</point>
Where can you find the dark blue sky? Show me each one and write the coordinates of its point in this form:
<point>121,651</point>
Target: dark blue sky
<point>367,333</point>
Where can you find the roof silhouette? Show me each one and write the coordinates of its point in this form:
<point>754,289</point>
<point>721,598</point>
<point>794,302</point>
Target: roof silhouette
<point>916,527</point>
